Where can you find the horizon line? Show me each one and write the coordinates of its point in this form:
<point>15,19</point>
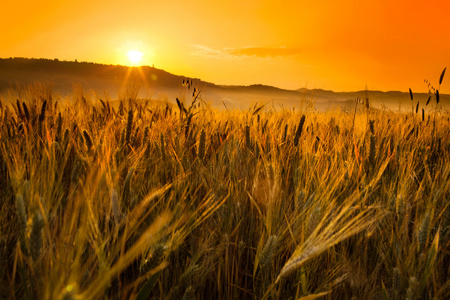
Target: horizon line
<point>216,84</point>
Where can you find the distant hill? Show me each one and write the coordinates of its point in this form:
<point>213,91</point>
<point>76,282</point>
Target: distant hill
<point>116,80</point>
<point>90,76</point>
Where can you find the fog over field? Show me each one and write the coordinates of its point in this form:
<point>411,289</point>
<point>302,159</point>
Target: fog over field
<point>116,81</point>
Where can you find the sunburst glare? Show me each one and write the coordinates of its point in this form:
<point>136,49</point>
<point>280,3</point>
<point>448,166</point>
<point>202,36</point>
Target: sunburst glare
<point>134,56</point>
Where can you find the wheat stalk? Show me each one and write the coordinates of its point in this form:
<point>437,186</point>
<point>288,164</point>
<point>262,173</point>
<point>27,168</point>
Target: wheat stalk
<point>248,142</point>
<point>413,289</point>
<point>87,140</point>
<point>115,205</point>
<point>189,294</point>
<point>341,227</point>
<point>22,219</point>
<point>129,126</point>
<point>36,236</point>
<point>268,251</point>
<point>201,145</point>
<point>298,133</point>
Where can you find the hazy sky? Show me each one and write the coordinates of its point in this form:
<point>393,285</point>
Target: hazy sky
<point>340,45</point>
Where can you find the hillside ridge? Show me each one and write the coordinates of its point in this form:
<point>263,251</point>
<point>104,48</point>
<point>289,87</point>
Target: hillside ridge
<point>154,83</point>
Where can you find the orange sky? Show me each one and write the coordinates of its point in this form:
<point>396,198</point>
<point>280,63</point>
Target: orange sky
<point>340,45</point>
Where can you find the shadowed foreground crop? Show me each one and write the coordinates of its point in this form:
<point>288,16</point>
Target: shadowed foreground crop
<point>103,201</point>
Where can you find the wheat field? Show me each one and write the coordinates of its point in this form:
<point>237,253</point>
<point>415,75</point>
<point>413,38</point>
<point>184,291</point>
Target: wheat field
<point>134,200</point>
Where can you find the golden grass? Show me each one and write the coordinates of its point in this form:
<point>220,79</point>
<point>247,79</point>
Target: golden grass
<point>103,201</point>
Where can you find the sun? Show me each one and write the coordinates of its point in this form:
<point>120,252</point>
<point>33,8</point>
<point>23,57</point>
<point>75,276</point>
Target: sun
<point>134,56</point>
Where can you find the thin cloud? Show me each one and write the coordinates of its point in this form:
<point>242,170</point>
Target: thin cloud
<point>261,52</point>
<point>207,51</point>
<point>264,51</point>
